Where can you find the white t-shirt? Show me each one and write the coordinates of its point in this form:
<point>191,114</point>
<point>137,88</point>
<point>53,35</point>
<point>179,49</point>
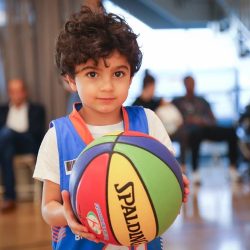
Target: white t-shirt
<point>47,165</point>
<point>17,118</point>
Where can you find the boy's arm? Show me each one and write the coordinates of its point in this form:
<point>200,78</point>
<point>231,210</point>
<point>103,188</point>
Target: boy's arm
<point>57,210</point>
<point>52,208</point>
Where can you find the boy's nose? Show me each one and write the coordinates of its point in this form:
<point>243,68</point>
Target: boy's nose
<point>107,84</point>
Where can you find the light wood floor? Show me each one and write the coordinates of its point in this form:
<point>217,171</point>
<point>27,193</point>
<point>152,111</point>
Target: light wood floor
<point>216,217</point>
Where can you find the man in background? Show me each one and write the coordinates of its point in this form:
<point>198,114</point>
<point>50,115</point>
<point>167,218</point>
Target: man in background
<point>200,124</point>
<point>22,126</point>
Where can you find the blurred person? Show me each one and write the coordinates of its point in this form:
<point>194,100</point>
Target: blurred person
<point>22,126</point>
<point>200,124</point>
<point>166,111</point>
<point>147,98</point>
<point>243,133</point>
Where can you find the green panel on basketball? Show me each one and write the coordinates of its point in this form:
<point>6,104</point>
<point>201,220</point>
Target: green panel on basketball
<point>126,188</point>
<point>153,171</point>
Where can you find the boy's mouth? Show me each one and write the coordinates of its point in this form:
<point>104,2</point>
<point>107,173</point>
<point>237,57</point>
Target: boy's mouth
<point>106,98</point>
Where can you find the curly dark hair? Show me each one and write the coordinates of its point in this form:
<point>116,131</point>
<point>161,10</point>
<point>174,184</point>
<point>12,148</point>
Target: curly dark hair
<point>94,35</point>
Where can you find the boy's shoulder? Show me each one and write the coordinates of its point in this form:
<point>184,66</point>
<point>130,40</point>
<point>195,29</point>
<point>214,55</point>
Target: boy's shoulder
<point>58,121</point>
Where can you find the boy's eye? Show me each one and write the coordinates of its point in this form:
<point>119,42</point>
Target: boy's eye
<point>92,74</point>
<point>119,74</point>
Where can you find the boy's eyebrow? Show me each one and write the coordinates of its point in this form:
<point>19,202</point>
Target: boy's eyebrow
<point>95,67</point>
<point>86,68</point>
<point>122,66</point>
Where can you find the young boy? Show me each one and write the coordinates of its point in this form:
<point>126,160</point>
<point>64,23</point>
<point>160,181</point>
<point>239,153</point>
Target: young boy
<point>98,55</point>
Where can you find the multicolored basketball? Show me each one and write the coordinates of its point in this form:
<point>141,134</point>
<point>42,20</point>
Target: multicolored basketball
<point>126,188</point>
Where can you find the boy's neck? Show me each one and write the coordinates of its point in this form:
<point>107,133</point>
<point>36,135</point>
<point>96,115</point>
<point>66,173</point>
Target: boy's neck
<point>101,119</point>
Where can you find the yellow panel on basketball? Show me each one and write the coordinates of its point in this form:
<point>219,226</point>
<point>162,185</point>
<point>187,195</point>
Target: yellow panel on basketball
<point>129,207</point>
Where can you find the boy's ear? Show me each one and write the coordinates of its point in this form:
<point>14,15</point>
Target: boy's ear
<point>71,82</point>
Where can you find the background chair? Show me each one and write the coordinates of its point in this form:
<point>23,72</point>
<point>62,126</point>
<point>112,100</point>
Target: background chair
<point>26,187</point>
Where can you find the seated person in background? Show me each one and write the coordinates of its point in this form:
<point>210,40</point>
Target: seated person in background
<point>166,111</point>
<point>200,124</point>
<point>243,133</point>
<point>147,98</point>
<point>22,127</point>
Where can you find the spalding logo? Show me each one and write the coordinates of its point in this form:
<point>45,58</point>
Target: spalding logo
<point>126,196</point>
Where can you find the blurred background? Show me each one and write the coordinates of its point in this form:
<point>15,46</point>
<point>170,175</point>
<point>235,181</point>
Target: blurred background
<point>209,39</point>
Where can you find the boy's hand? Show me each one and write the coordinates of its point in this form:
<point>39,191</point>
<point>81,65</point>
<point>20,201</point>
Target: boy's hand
<point>186,187</point>
<point>74,225</point>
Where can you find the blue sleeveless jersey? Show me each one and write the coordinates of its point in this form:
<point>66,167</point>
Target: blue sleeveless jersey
<point>72,137</point>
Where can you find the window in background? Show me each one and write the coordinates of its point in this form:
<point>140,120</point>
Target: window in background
<point>209,55</point>
<point>2,13</point>
<point>244,83</point>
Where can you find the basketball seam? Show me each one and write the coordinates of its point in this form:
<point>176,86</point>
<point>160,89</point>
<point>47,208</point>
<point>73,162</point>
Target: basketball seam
<point>78,179</point>
<point>107,184</point>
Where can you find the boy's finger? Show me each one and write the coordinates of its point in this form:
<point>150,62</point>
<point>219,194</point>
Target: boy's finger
<point>89,236</point>
<point>77,227</point>
<point>186,190</point>
<point>185,179</point>
<point>73,222</point>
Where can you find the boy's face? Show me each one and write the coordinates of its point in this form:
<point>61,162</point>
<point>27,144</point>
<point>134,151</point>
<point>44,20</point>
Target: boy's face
<point>103,88</point>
